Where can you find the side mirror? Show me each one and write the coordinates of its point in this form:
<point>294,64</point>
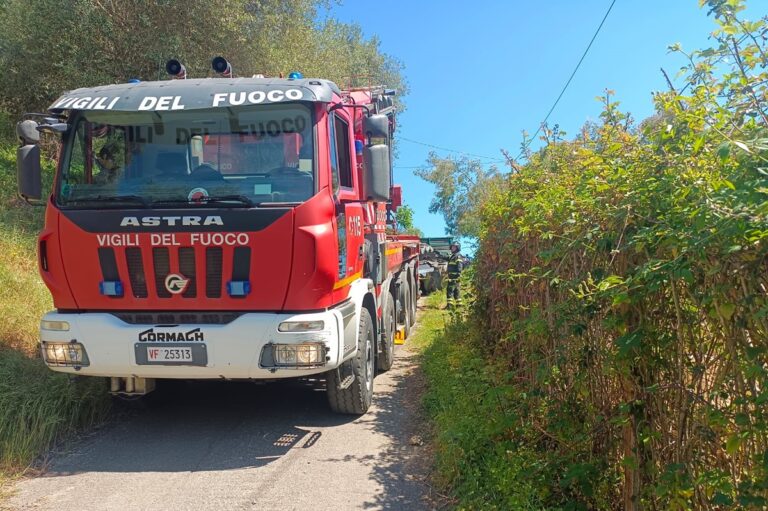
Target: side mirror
<point>376,126</point>
<point>28,171</point>
<point>57,127</point>
<point>377,172</point>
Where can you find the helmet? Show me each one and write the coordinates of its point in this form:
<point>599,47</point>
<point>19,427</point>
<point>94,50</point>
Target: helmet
<point>455,244</point>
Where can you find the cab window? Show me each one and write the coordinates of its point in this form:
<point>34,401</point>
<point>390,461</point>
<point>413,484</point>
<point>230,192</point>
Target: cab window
<point>343,152</point>
<point>334,154</point>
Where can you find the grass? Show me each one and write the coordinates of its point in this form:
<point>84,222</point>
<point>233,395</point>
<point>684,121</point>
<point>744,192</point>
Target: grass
<point>40,406</point>
<point>477,462</point>
<point>37,406</point>
<point>23,296</point>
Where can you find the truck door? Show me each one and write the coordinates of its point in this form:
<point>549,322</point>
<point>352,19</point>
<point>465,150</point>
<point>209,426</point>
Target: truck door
<point>349,214</point>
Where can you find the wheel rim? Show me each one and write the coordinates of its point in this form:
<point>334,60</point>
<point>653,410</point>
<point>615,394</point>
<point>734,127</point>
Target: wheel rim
<point>369,362</point>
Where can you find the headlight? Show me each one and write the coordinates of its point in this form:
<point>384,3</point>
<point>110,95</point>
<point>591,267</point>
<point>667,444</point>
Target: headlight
<point>65,354</point>
<point>58,326</point>
<point>301,326</point>
<point>297,355</point>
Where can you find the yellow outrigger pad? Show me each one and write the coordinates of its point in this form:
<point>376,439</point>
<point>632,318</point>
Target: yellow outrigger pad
<point>400,335</point>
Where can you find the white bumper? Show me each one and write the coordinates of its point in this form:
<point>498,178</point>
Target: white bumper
<point>233,350</point>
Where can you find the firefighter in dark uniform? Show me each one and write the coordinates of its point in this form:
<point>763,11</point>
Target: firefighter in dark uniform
<point>455,265</point>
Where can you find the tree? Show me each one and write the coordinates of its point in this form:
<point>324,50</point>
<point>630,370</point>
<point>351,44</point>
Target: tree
<point>49,46</point>
<point>404,218</point>
<point>462,186</point>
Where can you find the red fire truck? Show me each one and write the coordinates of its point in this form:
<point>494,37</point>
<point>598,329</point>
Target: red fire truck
<point>222,228</point>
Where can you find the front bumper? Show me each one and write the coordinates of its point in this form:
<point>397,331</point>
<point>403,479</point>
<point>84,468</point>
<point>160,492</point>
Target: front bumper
<point>232,351</point>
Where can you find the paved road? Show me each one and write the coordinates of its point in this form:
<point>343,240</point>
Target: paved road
<point>239,446</point>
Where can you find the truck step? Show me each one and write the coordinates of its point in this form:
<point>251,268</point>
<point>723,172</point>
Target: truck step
<point>347,382</point>
<point>344,375</point>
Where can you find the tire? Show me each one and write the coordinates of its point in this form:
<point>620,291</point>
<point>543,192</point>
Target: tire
<point>387,354</point>
<point>408,319</point>
<point>356,399</point>
<point>414,298</point>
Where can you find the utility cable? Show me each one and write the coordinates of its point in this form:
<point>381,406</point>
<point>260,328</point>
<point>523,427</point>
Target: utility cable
<point>552,109</point>
<point>583,56</point>
<point>450,150</point>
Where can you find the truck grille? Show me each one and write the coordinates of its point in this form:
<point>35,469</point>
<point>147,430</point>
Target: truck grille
<point>178,318</point>
<point>187,268</point>
<point>136,272</point>
<point>143,266</point>
<point>161,264</point>
<point>213,257</point>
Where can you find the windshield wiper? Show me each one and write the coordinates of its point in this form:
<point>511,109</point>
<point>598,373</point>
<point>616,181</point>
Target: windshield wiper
<point>113,198</point>
<point>228,198</point>
<point>211,199</point>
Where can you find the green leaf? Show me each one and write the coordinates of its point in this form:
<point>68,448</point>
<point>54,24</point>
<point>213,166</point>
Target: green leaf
<point>721,499</point>
<point>732,444</point>
<point>727,310</point>
<point>741,419</point>
<point>698,144</point>
<point>724,151</point>
<point>628,343</point>
<point>742,146</point>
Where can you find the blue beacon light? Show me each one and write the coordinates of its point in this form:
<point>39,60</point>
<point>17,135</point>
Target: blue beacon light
<point>295,75</point>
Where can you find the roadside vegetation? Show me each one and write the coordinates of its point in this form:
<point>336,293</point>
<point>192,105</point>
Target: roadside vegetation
<point>615,353</point>
<point>37,407</point>
<point>131,39</point>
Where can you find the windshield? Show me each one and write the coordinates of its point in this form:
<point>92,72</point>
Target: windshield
<point>235,157</point>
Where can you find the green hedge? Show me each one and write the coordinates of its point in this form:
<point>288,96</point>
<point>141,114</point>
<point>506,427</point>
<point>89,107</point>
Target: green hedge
<point>621,282</point>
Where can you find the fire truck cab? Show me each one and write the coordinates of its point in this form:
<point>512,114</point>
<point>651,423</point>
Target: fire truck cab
<point>222,228</point>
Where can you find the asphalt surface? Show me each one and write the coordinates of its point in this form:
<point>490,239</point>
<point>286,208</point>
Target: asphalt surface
<point>220,445</point>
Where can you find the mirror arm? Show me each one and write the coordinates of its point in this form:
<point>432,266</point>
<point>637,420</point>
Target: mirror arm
<point>350,105</point>
<point>35,203</point>
<point>59,127</point>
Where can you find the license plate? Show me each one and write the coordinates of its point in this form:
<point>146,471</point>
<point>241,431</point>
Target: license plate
<point>187,354</point>
<point>162,354</point>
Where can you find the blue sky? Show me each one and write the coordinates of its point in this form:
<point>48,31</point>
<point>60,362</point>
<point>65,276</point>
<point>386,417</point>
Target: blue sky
<point>481,72</point>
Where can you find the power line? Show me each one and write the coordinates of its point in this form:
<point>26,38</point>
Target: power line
<point>546,118</point>
<point>450,150</point>
<point>565,87</point>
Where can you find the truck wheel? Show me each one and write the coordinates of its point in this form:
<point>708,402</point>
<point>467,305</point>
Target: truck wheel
<point>403,307</point>
<point>356,399</point>
<point>387,354</point>
<point>408,318</point>
<point>414,298</point>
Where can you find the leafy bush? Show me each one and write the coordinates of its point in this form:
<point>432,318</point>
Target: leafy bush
<point>621,281</point>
